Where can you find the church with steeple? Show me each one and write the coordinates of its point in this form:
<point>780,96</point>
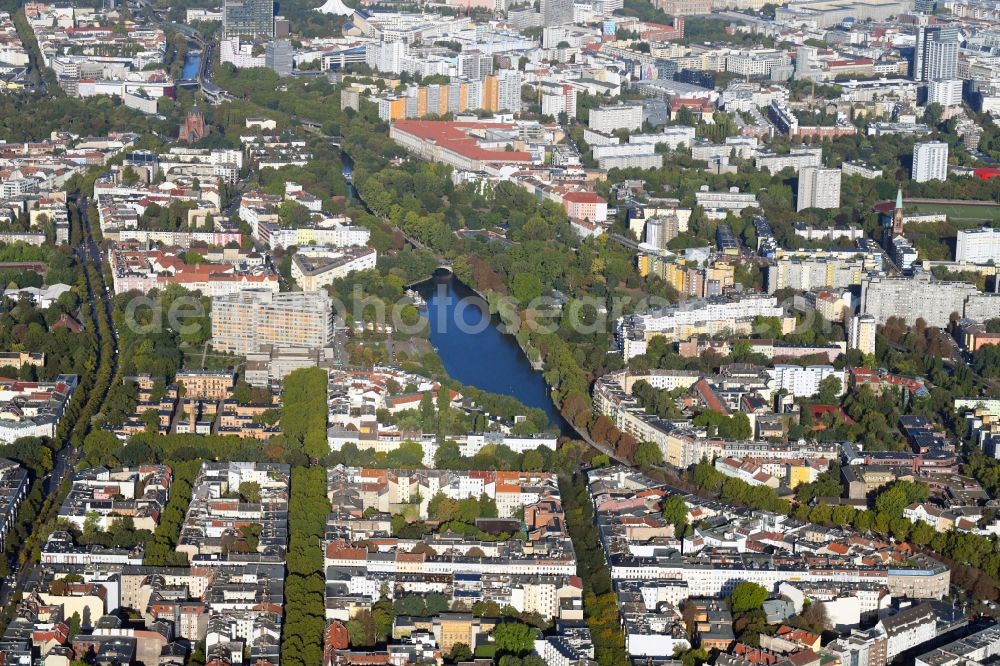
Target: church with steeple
<point>194,128</point>
<point>892,224</point>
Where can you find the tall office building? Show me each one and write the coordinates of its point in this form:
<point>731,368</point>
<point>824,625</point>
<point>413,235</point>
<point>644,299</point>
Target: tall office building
<point>917,68</point>
<point>818,188</point>
<point>804,58</point>
<point>935,55</point>
<point>245,321</point>
<point>941,56</point>
<point>556,12</point>
<point>930,161</point>
<point>248,18</point>
<point>278,57</point>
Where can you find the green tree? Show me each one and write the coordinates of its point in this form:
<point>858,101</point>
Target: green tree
<point>460,652</point>
<point>533,461</point>
<point>241,393</point>
<point>648,454</point>
<point>361,629</point>
<point>829,389</point>
<point>74,625</point>
<point>514,638</point>
<point>250,492</point>
<point>892,501</point>
<point>747,597</point>
<point>675,512</point>
<point>526,287</point>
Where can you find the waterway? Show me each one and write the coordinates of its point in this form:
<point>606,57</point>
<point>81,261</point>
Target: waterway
<point>192,65</point>
<point>475,351</point>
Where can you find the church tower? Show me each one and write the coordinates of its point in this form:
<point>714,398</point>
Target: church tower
<point>193,129</point>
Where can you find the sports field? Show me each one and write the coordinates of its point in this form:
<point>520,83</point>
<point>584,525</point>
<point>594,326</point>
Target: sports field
<point>957,212</point>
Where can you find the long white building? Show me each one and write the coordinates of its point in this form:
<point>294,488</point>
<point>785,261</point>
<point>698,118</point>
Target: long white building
<point>978,246</point>
<point>695,317</point>
<point>803,382</point>
<point>607,119</point>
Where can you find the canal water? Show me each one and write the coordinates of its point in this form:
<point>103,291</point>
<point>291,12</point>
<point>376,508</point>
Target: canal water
<point>475,352</point>
<point>192,65</point>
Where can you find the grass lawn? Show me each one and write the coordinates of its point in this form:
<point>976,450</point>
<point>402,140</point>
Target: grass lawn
<point>957,212</point>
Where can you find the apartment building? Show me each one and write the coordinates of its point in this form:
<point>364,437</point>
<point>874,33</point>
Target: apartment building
<point>205,384</point>
<point>14,483</point>
<point>818,188</point>
<point>244,322</point>
<point>861,333</point>
<point>930,161</point>
<point>919,297</point>
<point>717,205</point>
<point>144,271</point>
<point>607,119</point>
<point>557,99</point>
<point>794,159</point>
<point>315,267</point>
<point>696,317</point>
<point>105,495</point>
<point>978,246</point>
<point>33,409</point>
<point>218,511</point>
<point>804,382</point>
<point>539,578</point>
<point>808,270</point>
<point>623,497</point>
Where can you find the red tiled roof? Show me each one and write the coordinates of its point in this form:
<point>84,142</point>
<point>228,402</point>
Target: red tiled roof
<point>583,197</point>
<point>454,137</point>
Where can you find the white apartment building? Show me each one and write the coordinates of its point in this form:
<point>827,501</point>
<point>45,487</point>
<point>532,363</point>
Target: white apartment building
<point>904,254</point>
<point>930,161</point>
<point>820,270</point>
<point>385,56</point>
<point>315,267</point>
<point>559,99</point>
<point>672,137</point>
<point>861,169</point>
<point>818,188</point>
<point>718,204</point>
<point>911,298</point>
<point>796,159</point>
<point>803,382</point>
<point>694,317</point>
<point>756,62</point>
<point>244,322</point>
<point>607,119</point>
<point>861,333</point>
<point>628,155</point>
<point>978,246</point>
<point>946,92</point>
<point>509,83</point>
<point>738,146</point>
